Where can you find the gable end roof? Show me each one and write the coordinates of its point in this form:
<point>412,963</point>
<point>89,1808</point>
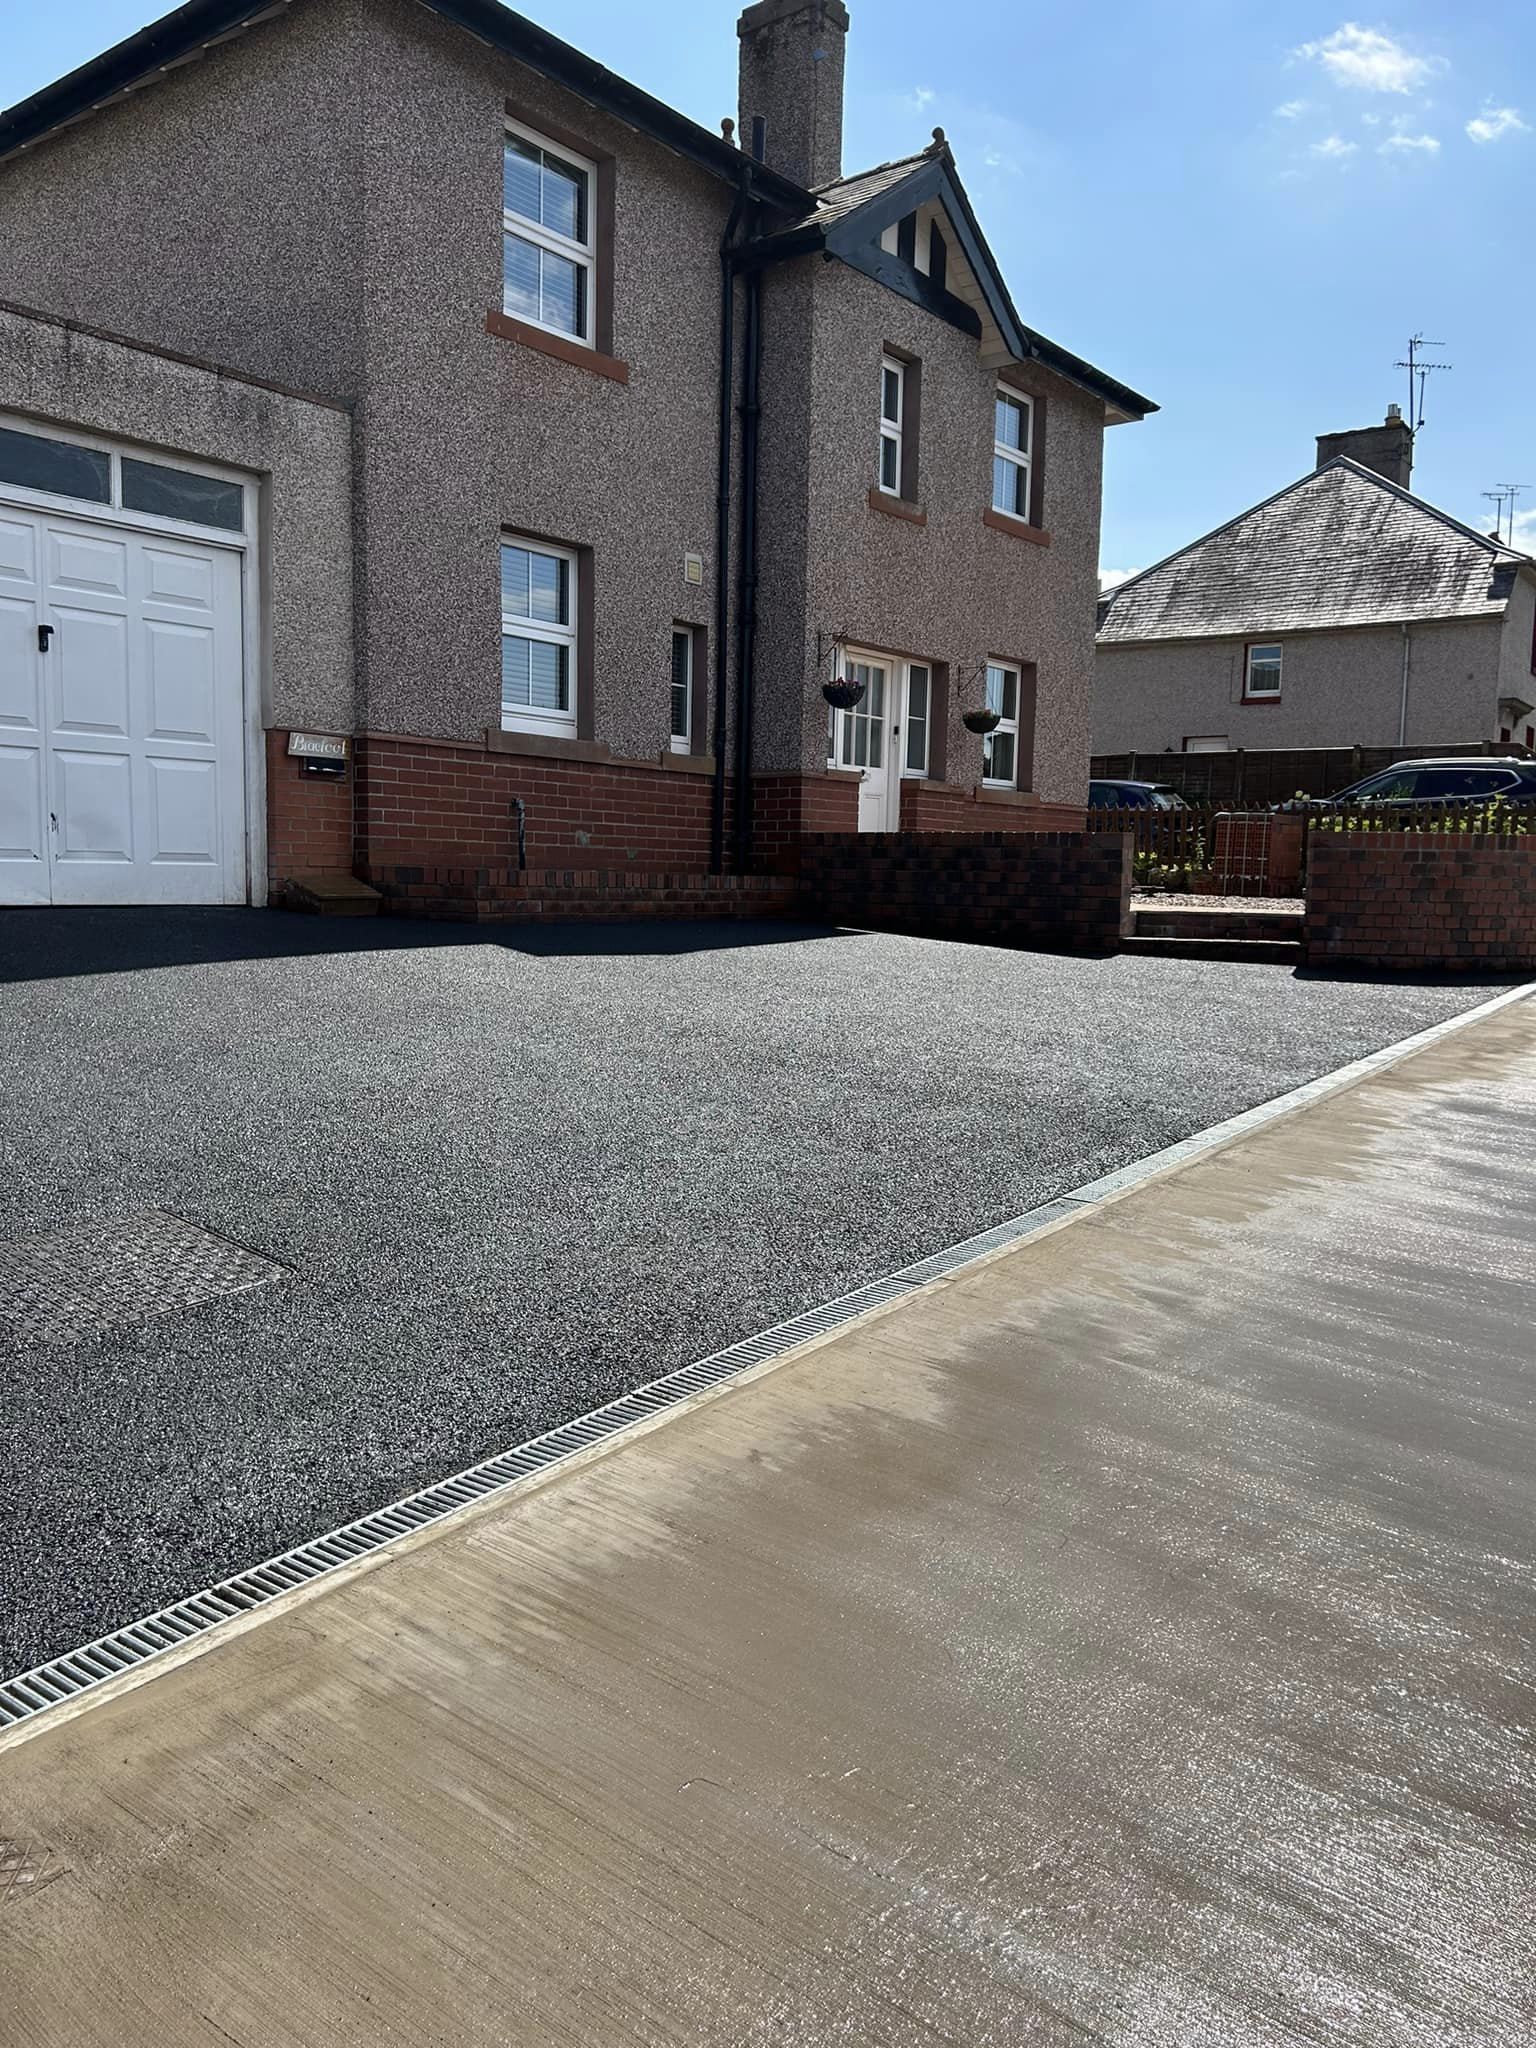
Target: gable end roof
<point>1340,546</point>
<point>140,60</point>
<point>851,214</point>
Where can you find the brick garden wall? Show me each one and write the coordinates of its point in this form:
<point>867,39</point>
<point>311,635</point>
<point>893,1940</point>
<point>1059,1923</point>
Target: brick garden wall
<point>1070,890</point>
<point>1403,900</point>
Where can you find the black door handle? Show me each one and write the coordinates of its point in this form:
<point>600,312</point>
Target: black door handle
<point>44,635</point>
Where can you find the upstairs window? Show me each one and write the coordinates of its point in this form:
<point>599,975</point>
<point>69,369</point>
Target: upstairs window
<point>1000,748</point>
<point>538,637</point>
<point>1261,677</point>
<point>1012,453</point>
<point>893,394</point>
<point>547,240</point>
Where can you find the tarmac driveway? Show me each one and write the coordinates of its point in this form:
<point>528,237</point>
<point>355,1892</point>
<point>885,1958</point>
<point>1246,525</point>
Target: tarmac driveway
<point>515,1173</point>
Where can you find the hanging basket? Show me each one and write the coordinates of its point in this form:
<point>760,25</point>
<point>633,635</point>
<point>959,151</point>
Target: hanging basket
<point>983,720</point>
<point>843,694</point>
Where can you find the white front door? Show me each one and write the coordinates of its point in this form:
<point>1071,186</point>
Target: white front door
<point>885,735</point>
<point>122,769</point>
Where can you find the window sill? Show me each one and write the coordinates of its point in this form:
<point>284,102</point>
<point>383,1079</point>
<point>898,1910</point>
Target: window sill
<point>1259,700</point>
<point>503,739</point>
<point>557,345</point>
<point>1004,522</point>
<point>896,508</point>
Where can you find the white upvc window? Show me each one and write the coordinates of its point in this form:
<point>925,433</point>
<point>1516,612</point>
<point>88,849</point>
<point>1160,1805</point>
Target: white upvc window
<point>1000,748</point>
<point>914,752</point>
<point>547,238</point>
<point>682,689</point>
<point>1261,672</point>
<point>1012,452</point>
<point>538,637</point>
<point>893,405</point>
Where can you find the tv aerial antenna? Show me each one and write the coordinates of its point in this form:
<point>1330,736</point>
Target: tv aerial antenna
<point>1499,499</point>
<point>1512,491</point>
<point>1418,370</point>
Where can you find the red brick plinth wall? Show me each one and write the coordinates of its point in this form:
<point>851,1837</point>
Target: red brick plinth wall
<point>946,807</point>
<point>1068,890</point>
<point>1397,900</point>
<point>786,807</point>
<point>449,804</point>
<point>309,819</point>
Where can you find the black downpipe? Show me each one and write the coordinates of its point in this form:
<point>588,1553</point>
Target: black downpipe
<point>723,519</point>
<point>746,622</point>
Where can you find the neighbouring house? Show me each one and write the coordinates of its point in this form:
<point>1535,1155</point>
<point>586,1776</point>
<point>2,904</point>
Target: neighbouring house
<point>409,429</point>
<point>1342,612</point>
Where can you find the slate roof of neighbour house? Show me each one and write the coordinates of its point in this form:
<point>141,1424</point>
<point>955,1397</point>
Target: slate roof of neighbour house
<point>1340,547</point>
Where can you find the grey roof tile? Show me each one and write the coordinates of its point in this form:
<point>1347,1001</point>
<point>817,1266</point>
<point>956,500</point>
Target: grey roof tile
<point>1340,547</point>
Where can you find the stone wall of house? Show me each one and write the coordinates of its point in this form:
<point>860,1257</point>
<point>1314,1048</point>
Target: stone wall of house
<point>931,578</point>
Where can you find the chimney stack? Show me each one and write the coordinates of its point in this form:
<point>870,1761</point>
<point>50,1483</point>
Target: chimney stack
<point>791,95</point>
<point>1388,449</point>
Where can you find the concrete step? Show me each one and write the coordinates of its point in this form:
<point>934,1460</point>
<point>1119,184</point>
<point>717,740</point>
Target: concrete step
<point>334,895</point>
<point>1283,952</point>
<point>1217,924</point>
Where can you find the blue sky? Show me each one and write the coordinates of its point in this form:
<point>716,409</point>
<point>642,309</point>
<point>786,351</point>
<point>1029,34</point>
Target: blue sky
<point>1241,207</point>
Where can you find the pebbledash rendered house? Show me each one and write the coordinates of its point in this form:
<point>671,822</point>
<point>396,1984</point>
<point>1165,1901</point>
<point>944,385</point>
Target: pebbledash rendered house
<point>411,433</point>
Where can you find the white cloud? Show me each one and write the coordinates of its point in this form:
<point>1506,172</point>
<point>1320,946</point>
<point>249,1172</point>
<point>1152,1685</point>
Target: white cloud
<point>1525,532</point>
<point>1111,579</point>
<point>1368,59</point>
<point>1334,147</point>
<point>1292,110</point>
<point>922,97</point>
<point>1493,122</point>
<point>1427,145</point>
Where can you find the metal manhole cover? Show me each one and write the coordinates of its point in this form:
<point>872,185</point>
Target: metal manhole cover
<point>61,1285</point>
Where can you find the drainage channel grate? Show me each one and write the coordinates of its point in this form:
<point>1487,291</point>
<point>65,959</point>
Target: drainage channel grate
<point>66,1677</point>
<point>59,1286</point>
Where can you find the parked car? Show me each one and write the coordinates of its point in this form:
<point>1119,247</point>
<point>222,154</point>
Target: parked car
<point>1134,796</point>
<point>1438,779</point>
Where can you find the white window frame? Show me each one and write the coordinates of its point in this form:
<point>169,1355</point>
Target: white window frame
<point>909,773</point>
<point>582,254</point>
<point>1022,460</point>
<point>526,718</point>
<point>682,742</point>
<point>892,431</point>
<point>1004,725</point>
<point>1274,657</point>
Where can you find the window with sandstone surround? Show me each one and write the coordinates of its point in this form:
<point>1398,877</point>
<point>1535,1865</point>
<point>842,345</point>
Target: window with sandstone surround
<point>548,235</point>
<point>682,689</point>
<point>893,383</point>
<point>539,637</point>
<point>1012,453</point>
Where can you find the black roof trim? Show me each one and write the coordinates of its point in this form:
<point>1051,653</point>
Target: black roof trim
<point>934,177</point>
<point>175,35</point>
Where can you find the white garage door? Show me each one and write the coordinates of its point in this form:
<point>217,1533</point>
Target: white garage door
<point>122,770</point>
